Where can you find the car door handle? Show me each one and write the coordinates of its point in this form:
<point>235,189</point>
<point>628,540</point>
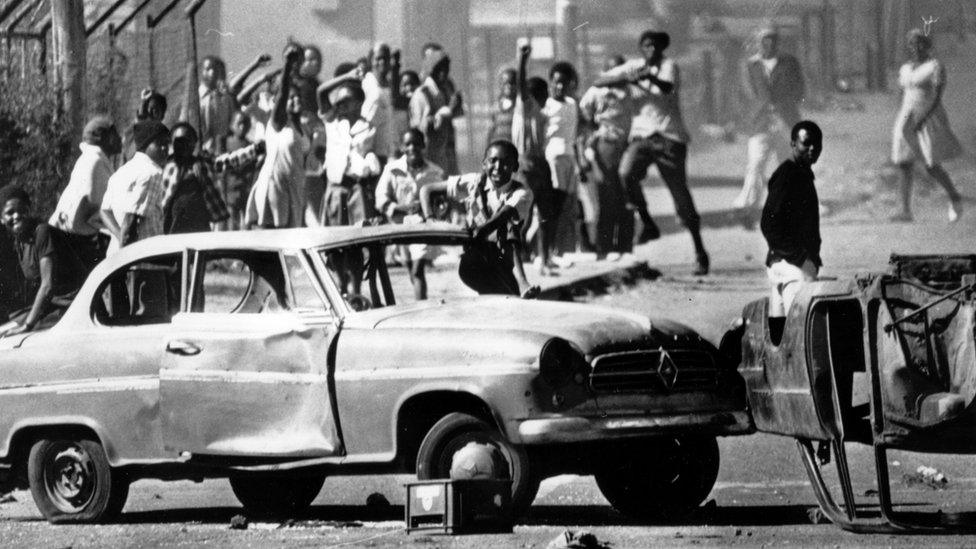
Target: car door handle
<point>182,348</point>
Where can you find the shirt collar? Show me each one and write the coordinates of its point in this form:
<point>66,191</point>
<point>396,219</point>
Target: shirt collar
<point>88,148</point>
<point>143,158</point>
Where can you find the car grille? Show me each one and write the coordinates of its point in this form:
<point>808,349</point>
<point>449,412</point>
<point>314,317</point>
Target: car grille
<point>661,371</point>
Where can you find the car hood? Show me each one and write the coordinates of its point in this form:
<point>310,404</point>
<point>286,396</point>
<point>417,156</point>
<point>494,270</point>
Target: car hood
<point>588,326</point>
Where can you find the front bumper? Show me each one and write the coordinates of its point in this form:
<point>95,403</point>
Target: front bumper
<point>584,429</point>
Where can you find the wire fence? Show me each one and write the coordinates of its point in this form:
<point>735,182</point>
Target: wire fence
<point>122,65</point>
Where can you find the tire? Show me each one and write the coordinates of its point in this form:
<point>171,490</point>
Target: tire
<point>455,431</point>
<point>276,495</point>
<point>72,482</point>
<point>661,479</point>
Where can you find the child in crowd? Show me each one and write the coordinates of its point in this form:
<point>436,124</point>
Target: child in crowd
<point>562,115</point>
<point>398,198</point>
<point>349,157</point>
<point>51,272</point>
<point>191,202</point>
<point>433,108</point>
<point>496,207</point>
<point>408,83</point>
<point>503,108</point>
<point>277,198</point>
<point>238,176</point>
<point>216,104</point>
<point>132,204</point>
<point>529,135</point>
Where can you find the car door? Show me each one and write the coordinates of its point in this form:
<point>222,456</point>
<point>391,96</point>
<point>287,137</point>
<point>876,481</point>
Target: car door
<point>246,370</point>
<point>103,372</point>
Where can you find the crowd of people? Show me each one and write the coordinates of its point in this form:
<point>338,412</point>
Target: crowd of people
<point>375,143</point>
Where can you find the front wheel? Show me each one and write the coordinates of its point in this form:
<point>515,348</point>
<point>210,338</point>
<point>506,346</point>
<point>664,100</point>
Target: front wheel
<point>463,446</point>
<point>276,495</point>
<point>72,482</point>
<point>661,479</point>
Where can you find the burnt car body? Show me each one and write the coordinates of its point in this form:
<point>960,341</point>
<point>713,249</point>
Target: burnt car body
<point>237,355</point>
<point>886,359</point>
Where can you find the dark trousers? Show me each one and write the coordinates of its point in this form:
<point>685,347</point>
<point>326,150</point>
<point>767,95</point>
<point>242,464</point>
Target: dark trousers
<point>670,157</point>
<point>90,249</point>
<point>487,269</point>
<point>614,225</point>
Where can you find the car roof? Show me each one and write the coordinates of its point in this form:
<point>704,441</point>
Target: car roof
<point>288,239</point>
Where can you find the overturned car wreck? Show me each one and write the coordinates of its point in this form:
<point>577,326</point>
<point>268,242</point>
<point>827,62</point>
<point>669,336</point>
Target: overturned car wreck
<point>887,360</point>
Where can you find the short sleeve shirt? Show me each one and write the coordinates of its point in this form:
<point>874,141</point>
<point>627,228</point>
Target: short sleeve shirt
<point>610,110</point>
<point>137,188</point>
<point>89,179</point>
<point>49,242</point>
<point>654,110</point>
<point>562,120</point>
<point>401,184</point>
<point>481,200</point>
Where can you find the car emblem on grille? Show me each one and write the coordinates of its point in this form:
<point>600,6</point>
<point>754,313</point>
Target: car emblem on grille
<point>667,371</point>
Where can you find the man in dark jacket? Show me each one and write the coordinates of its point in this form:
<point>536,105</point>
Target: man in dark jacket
<point>791,220</point>
<point>773,82</point>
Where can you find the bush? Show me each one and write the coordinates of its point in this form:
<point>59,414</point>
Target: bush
<point>36,149</point>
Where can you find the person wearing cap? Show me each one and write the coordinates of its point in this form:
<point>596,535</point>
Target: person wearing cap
<point>132,205</point>
<point>350,163</point>
<point>433,107</point>
<point>657,136</point>
<point>277,198</point>
<point>773,82</point>
<point>77,213</point>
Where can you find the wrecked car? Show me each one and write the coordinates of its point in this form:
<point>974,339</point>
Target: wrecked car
<point>240,355</point>
<point>883,359</point>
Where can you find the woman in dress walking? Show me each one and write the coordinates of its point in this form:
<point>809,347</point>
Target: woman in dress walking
<point>922,127</point>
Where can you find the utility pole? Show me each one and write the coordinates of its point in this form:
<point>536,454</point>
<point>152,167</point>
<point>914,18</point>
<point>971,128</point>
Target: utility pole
<point>70,63</point>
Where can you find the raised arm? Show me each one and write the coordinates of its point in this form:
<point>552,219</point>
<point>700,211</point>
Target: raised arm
<point>426,191</point>
<point>238,81</point>
<point>324,89</point>
<point>521,76</point>
<point>244,97</point>
<point>279,116</point>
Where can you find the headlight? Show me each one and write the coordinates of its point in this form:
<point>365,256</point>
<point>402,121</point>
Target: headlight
<point>560,364</point>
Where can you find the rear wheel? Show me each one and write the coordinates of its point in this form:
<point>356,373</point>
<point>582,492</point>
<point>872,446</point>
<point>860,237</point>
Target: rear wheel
<point>463,446</point>
<point>276,495</point>
<point>661,479</point>
<point>72,482</point>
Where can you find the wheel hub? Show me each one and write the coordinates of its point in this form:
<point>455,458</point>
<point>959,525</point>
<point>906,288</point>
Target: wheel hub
<point>71,478</point>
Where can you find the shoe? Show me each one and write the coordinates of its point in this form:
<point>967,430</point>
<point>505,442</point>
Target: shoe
<point>903,217</point>
<point>649,232</point>
<point>702,265</point>
<point>955,210</point>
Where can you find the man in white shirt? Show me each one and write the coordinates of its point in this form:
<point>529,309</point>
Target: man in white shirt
<point>657,136</point>
<point>496,209</point>
<point>78,211</point>
<point>132,208</point>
